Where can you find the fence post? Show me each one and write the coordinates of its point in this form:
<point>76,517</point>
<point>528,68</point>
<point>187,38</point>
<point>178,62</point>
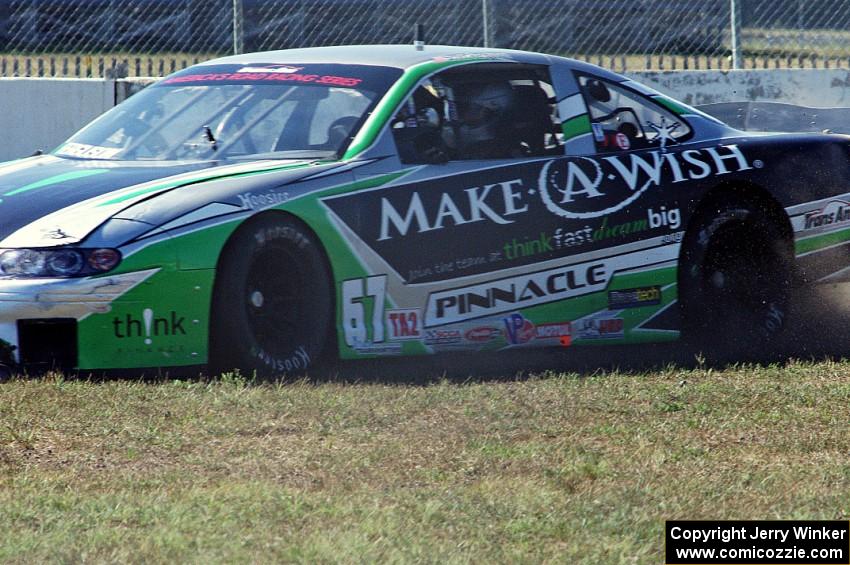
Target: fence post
<point>499,25</point>
<point>735,24</point>
<point>238,45</point>
<point>485,18</point>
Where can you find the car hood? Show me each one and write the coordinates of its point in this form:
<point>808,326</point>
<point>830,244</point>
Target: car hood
<point>49,200</point>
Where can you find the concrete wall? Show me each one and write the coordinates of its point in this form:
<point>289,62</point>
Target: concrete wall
<point>39,114</point>
<point>816,88</point>
<point>42,113</point>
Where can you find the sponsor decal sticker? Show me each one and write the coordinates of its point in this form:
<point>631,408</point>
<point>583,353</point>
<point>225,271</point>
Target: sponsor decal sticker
<point>598,132</point>
<point>482,334</point>
<point>443,336</point>
<point>545,243</point>
<point>834,213</point>
<point>148,326</point>
<point>475,223</point>
<point>450,267</point>
<point>664,218</point>
<point>89,151</point>
<point>580,187</point>
<point>565,238</point>
<point>599,328</point>
<point>503,295</point>
<point>634,297</point>
<point>378,348</point>
<point>475,206</point>
<point>518,330</point>
<point>673,237</point>
<point>468,56</point>
<point>404,324</point>
<point>265,75</point>
<point>515,249</point>
<point>251,201</point>
<point>570,188</point>
<point>664,132</point>
<point>275,68</point>
<point>586,187</point>
<point>561,332</point>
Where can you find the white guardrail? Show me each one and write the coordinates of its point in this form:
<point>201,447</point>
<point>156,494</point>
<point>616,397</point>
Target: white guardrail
<point>39,114</point>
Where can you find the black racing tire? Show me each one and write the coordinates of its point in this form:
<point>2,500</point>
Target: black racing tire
<point>272,305</point>
<point>735,277</point>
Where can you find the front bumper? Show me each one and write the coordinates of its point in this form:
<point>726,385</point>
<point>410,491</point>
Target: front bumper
<point>45,312</point>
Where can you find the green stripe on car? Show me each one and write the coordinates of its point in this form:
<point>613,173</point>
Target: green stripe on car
<point>201,178</point>
<point>388,104</point>
<point>56,180</point>
<point>821,241</point>
<point>577,126</point>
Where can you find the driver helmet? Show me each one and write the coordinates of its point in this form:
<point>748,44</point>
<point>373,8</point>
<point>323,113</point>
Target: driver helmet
<point>486,103</point>
<point>482,112</point>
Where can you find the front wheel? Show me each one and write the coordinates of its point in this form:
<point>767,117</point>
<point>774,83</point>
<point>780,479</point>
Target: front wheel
<point>272,303</point>
<point>735,279</point>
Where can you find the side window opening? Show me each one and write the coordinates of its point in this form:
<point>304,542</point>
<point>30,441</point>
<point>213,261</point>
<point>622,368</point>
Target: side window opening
<point>622,119</point>
<point>485,112</point>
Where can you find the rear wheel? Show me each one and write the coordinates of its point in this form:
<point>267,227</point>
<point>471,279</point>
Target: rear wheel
<point>735,279</point>
<point>272,304</point>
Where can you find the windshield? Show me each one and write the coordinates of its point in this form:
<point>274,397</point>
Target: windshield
<point>258,111</point>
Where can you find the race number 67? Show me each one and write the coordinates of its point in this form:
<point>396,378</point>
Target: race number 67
<point>354,311</point>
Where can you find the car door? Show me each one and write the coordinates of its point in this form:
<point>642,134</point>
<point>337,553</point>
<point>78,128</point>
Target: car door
<point>624,193</point>
<point>468,143</point>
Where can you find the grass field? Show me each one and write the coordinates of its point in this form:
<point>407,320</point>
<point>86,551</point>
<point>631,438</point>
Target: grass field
<point>545,468</point>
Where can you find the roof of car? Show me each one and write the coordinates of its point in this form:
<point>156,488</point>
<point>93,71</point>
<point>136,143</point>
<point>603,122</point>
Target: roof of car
<point>401,56</point>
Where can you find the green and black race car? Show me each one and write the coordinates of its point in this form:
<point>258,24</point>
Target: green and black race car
<point>265,211</point>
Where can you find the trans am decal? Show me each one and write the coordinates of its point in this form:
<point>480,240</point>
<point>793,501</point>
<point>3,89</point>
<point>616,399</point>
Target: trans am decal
<point>834,214</point>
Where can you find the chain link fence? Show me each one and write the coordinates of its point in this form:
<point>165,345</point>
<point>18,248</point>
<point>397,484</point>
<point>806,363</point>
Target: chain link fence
<point>154,37</point>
